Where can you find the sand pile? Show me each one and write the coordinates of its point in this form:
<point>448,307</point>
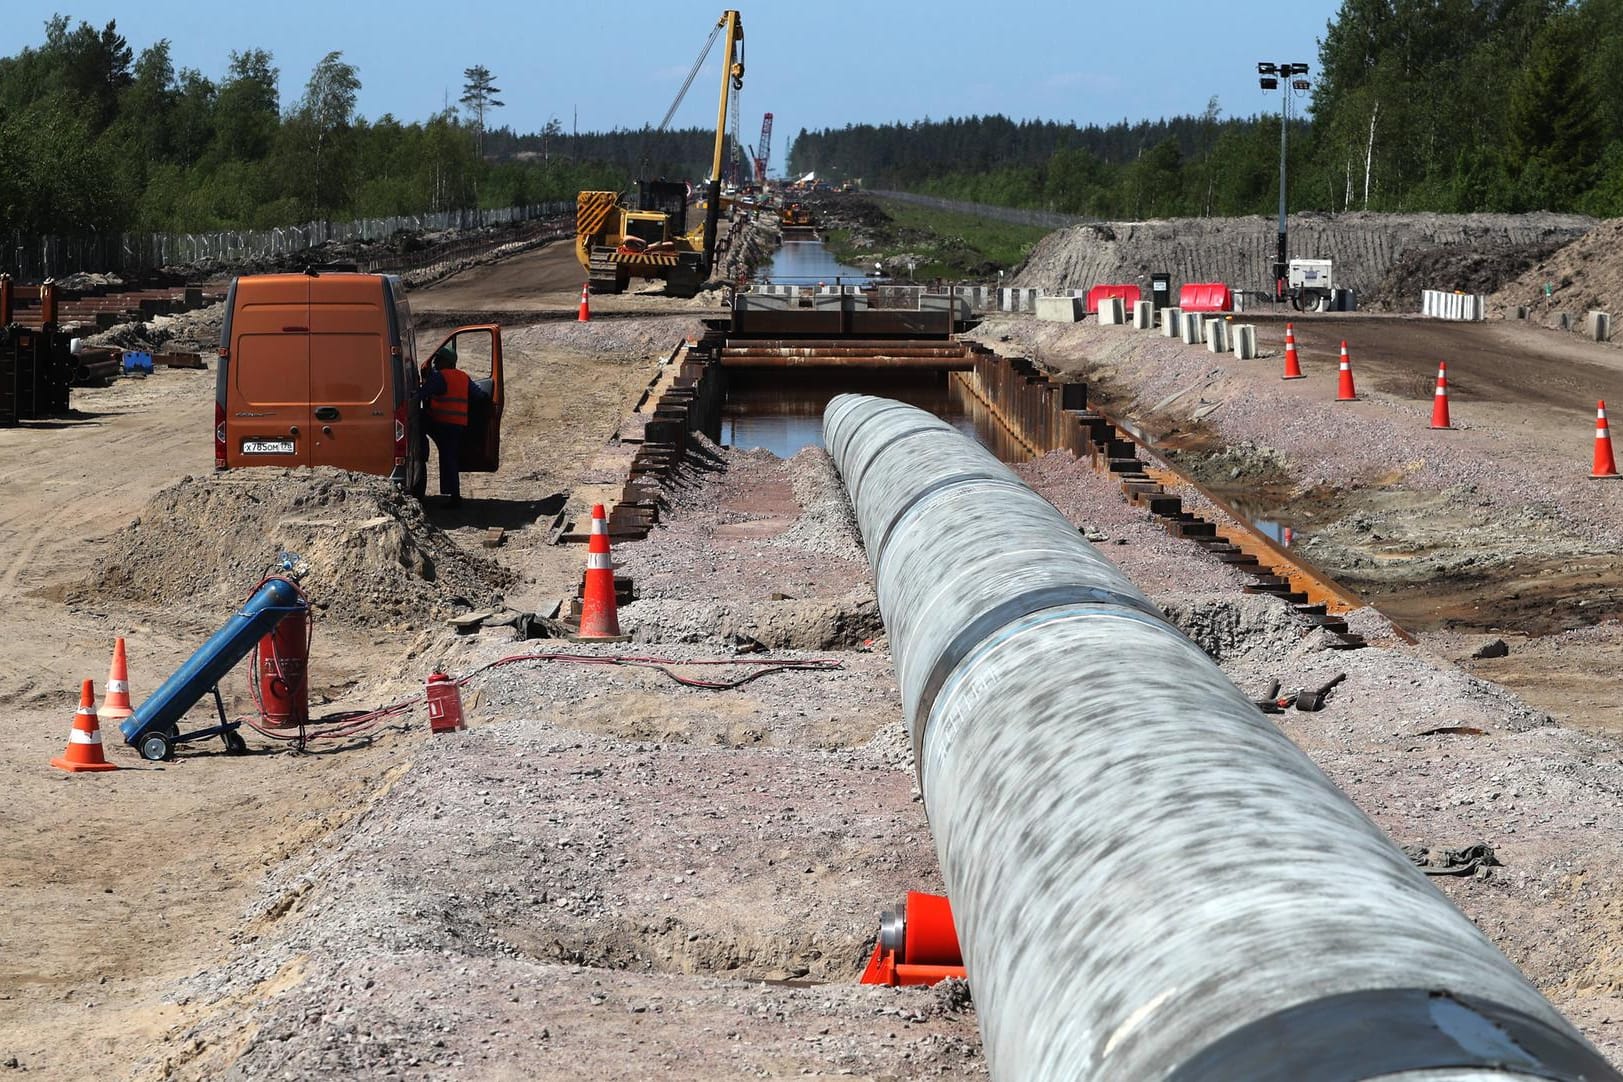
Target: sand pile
<point>375,560</point>
<point>1482,269</point>
<point>1240,251</point>
<point>1582,276</point>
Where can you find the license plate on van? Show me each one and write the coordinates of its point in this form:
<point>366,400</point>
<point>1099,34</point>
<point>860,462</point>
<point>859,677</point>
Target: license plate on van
<point>267,447</point>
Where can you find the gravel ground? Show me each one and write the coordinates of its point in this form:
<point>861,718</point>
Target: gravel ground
<point>612,876</point>
<point>1503,481</point>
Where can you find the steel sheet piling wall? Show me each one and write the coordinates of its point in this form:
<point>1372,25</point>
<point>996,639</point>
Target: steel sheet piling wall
<point>1149,881</point>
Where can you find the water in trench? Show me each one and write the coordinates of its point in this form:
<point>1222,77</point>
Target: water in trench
<point>781,409</point>
<point>807,262</point>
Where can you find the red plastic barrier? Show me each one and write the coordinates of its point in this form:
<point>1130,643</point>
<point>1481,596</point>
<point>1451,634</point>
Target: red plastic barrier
<point>1205,297</point>
<point>1128,293</point>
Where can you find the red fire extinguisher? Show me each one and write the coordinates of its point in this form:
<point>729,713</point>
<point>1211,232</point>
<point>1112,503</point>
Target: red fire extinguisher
<point>282,659</point>
<point>444,704</point>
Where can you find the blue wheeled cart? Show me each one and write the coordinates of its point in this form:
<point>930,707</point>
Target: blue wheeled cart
<point>153,728</point>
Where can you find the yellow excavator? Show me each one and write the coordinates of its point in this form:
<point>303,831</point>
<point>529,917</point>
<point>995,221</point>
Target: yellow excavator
<point>616,243</point>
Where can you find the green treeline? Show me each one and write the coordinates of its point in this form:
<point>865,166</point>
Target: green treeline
<point>95,138</point>
<point>1444,105</point>
<point>674,154</point>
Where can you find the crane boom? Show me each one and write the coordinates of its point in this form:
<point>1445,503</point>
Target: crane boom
<point>765,158</point>
<point>732,78</point>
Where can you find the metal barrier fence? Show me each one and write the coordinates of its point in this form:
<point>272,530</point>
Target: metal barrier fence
<point>1046,219</point>
<point>31,257</point>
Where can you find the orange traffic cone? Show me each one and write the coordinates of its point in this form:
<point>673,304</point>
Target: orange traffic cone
<point>1293,363</point>
<point>1605,464</point>
<point>84,739</point>
<point>585,314</point>
<point>599,612</point>
<point>116,705</point>
<point>1345,392</point>
<point>1439,401</point>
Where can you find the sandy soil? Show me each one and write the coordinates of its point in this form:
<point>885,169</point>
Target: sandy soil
<point>116,884</point>
<point>610,875</point>
<point>1240,251</point>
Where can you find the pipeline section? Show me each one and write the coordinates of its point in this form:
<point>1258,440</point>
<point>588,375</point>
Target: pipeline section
<point>1149,881</point>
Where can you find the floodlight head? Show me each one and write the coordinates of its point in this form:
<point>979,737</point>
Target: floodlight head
<point>1300,84</point>
<point>1298,69</point>
<point>1265,68</point>
<point>1268,82</point>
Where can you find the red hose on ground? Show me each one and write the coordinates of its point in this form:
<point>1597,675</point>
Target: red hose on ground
<point>348,724</point>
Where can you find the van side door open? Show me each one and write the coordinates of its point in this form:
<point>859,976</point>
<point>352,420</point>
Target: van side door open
<point>478,350</point>
<point>268,415</point>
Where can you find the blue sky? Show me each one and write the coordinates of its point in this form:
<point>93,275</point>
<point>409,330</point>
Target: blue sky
<point>813,65</point>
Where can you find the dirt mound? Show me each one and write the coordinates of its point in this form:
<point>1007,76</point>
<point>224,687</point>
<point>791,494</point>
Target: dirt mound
<point>1585,274</point>
<point>197,331</point>
<point>1240,251</point>
<point>1481,269</point>
<point>375,559</point>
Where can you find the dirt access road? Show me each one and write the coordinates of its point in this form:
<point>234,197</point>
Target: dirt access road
<point>113,885</point>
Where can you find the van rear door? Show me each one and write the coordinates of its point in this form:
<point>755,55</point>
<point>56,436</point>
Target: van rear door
<point>478,350</point>
<point>351,395</point>
<point>267,403</point>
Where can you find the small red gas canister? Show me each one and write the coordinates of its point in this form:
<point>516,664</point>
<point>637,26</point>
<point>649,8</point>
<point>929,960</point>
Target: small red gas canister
<point>444,704</point>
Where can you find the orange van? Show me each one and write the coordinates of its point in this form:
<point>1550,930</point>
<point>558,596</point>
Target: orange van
<point>320,369</point>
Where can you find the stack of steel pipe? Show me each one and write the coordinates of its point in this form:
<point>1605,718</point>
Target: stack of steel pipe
<point>1149,881</point>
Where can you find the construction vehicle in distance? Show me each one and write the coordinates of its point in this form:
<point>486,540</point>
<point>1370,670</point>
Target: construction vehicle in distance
<point>652,240</point>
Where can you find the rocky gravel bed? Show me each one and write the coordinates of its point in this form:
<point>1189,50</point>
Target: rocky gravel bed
<point>609,875</point>
<point>1526,499</point>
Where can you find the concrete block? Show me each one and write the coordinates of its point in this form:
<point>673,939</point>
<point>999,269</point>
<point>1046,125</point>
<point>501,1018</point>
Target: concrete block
<point>1143,315</point>
<point>941,302</point>
<point>1216,333</point>
<point>1059,309</point>
<point>762,302</point>
<point>1017,300</point>
<point>1600,326</point>
<point>1111,312</point>
<point>1245,341</point>
<point>1171,322</point>
<point>831,301</point>
<point>1193,328</point>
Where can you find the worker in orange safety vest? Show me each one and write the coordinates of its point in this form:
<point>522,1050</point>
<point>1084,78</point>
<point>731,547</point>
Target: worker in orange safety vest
<point>445,395</point>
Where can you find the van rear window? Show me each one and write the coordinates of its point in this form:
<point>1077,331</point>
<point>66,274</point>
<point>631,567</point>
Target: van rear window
<point>347,368</point>
<point>272,369</point>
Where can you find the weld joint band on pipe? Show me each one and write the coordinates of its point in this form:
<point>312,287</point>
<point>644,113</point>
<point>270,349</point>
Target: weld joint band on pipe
<point>980,633</point>
<point>1329,1040</point>
<point>878,548</point>
<point>933,427</point>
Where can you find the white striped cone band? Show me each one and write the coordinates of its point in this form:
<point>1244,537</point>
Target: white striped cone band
<point>1603,433</point>
<point>1442,392</point>
<point>600,525</point>
<point>118,685</point>
<point>77,735</point>
<point>599,561</point>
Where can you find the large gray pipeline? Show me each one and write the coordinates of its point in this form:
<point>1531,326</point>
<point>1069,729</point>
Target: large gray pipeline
<point>1149,881</point>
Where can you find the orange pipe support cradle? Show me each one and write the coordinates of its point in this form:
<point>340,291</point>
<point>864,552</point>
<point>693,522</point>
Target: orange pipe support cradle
<point>918,944</point>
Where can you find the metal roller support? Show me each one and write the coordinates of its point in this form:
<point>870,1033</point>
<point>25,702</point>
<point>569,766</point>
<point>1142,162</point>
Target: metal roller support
<point>1148,880</point>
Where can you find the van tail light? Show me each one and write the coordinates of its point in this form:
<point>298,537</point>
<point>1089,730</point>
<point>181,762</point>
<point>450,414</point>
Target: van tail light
<point>400,434</point>
<point>219,436</point>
